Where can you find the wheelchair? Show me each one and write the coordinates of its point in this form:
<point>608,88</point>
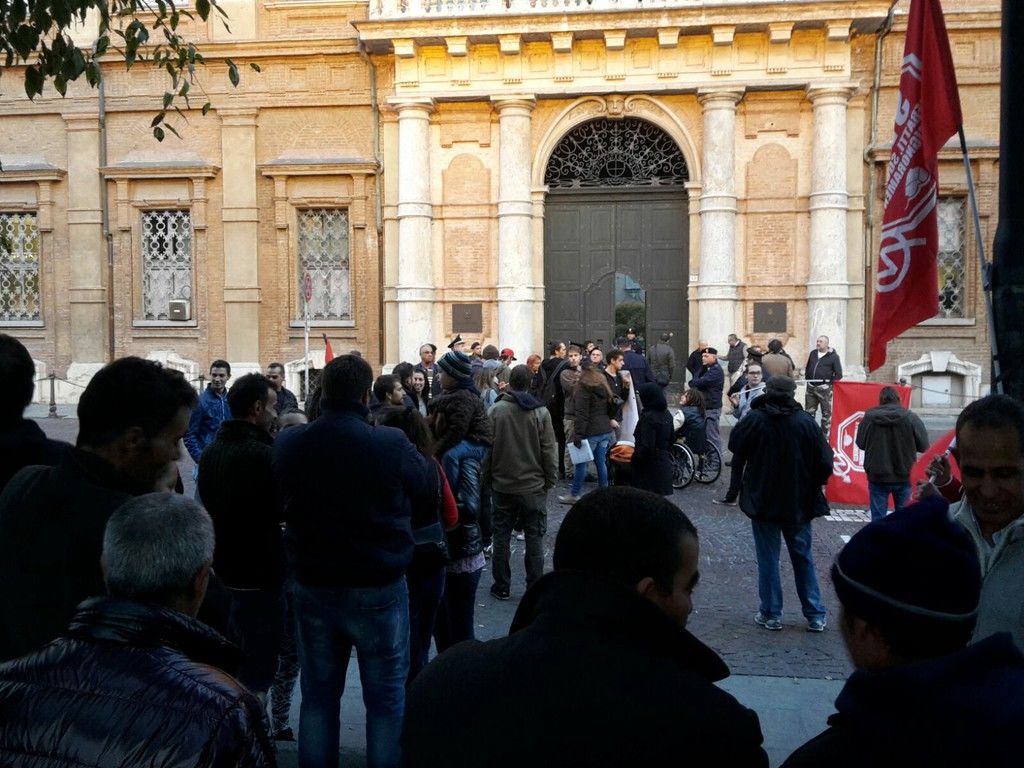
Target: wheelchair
<point>688,465</point>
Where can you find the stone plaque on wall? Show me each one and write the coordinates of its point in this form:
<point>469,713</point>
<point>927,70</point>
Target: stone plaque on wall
<point>467,318</point>
<point>769,317</point>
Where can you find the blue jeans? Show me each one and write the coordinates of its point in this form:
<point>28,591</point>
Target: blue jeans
<point>455,615</point>
<point>599,444</point>
<point>879,494</point>
<point>330,622</point>
<point>769,583</point>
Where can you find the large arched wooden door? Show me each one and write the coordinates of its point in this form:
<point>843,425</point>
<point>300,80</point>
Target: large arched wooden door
<point>616,234</point>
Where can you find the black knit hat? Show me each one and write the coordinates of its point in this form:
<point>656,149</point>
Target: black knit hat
<point>781,383</point>
<point>457,365</point>
<point>913,568</point>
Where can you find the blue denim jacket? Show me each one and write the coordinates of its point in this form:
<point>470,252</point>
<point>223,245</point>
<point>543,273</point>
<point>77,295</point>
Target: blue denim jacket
<point>205,421</point>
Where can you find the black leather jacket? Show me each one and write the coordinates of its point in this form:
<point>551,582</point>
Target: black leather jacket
<point>130,685</point>
<point>465,540</point>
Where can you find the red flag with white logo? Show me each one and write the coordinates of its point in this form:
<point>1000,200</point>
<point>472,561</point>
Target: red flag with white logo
<point>850,401</point>
<point>927,114</point>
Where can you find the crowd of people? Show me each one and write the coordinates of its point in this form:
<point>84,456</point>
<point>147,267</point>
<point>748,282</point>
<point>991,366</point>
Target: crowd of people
<point>142,627</point>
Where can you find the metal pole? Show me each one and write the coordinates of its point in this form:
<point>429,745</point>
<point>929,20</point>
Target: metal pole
<point>986,268</point>
<point>53,396</point>
<point>305,342</point>
<point>1008,256</point>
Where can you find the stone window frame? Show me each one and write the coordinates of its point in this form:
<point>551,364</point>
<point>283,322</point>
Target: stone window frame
<point>287,204</point>
<point>126,229</point>
<point>143,212</point>
<point>30,190</point>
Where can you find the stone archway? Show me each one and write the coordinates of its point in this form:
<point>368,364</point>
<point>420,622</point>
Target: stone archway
<point>616,232</point>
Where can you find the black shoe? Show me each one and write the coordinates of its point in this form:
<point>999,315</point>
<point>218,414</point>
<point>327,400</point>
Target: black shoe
<point>500,594</point>
<point>726,502</point>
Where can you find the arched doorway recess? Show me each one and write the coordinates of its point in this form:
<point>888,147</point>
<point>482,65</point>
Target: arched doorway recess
<point>616,234</point>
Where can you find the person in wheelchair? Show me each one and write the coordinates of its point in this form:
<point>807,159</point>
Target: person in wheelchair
<point>693,431</point>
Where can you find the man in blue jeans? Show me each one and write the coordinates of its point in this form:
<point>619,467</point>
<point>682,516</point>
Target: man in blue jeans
<point>785,462</point>
<point>346,486</point>
<point>891,436</point>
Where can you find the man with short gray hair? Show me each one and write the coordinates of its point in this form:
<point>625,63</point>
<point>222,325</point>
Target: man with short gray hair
<point>137,661</point>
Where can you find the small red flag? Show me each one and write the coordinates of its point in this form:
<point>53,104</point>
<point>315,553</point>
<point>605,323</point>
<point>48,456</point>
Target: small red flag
<point>927,114</point>
<point>920,469</point>
<point>328,351</point>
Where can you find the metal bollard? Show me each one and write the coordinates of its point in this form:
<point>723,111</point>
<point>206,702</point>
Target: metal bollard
<point>53,397</point>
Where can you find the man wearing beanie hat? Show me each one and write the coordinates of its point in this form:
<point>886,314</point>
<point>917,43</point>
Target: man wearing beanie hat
<point>784,461</point>
<point>909,586</point>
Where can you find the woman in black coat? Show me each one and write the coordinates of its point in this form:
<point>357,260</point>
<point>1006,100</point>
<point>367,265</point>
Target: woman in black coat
<point>652,463</point>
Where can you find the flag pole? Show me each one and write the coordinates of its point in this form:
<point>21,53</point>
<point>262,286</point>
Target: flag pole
<point>986,267</point>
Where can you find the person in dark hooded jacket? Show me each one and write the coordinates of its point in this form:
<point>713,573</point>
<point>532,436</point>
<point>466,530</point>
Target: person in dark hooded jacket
<point>522,468</point>
<point>785,462</point>
<point>910,586</point>
<point>22,442</point>
<point>598,669</point>
<point>651,462</point>
<point>891,436</point>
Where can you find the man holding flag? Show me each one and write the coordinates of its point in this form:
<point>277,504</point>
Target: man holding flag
<point>927,115</point>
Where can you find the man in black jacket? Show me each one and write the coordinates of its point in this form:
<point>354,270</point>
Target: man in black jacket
<point>136,680</point>
<point>236,484</point>
<point>598,668</point>
<point>22,442</point>
<point>131,418</point>
<point>823,367</point>
<point>784,461</point>
<point>346,487</point>
<point>891,436</point>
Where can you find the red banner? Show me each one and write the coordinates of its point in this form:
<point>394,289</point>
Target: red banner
<point>927,114</point>
<point>850,400</point>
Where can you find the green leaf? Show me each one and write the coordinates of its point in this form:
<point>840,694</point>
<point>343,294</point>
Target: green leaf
<point>60,84</point>
<point>232,73</point>
<point>171,128</point>
<point>168,98</point>
<point>158,119</point>
<point>33,82</point>
<point>206,108</point>
<point>102,43</point>
<point>203,9</point>
<point>256,67</point>
<point>158,133</point>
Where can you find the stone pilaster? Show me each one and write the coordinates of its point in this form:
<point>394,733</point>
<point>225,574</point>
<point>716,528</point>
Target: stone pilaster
<point>516,290</point>
<point>716,289</point>
<point>828,290</point>
<point>415,289</point>
<point>87,293</point>
<point>241,239</point>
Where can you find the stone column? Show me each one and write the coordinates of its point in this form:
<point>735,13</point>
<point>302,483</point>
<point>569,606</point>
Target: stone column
<point>241,241</point>
<point>828,290</point>
<point>87,293</point>
<point>415,290</point>
<point>716,289</point>
<point>516,290</point>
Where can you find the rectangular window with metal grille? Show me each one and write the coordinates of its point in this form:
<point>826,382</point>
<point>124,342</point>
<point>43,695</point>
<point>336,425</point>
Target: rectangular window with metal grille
<point>323,245</point>
<point>952,258</point>
<point>166,261</point>
<point>19,268</point>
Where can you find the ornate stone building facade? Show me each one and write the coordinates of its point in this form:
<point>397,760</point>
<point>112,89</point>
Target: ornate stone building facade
<point>517,170</point>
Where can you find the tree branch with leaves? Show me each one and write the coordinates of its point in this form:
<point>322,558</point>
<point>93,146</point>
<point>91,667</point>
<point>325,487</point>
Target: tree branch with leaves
<point>37,34</point>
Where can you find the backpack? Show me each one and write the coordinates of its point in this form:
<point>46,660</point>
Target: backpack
<point>551,395</point>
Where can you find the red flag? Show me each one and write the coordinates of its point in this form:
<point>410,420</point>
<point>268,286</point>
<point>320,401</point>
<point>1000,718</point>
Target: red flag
<point>850,400</point>
<point>935,449</point>
<point>328,352</point>
<point>927,114</point>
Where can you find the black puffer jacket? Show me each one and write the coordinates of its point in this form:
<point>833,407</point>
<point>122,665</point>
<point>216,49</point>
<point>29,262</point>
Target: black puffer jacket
<point>130,685</point>
<point>784,459</point>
